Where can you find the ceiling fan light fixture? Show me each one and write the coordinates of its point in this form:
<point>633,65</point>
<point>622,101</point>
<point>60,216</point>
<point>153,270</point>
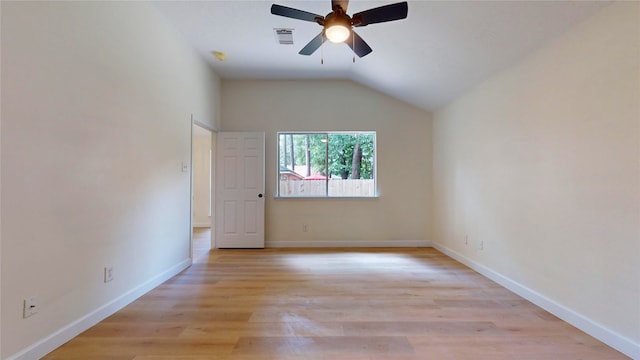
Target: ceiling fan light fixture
<point>337,25</point>
<point>337,33</point>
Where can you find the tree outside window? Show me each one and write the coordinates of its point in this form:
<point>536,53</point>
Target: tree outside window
<point>326,164</point>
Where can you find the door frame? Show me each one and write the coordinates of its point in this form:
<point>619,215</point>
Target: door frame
<point>195,121</point>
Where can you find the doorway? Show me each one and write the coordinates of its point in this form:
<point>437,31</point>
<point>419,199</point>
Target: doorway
<point>202,195</point>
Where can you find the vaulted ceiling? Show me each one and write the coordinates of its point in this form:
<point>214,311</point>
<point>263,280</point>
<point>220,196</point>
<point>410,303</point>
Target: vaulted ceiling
<point>440,50</point>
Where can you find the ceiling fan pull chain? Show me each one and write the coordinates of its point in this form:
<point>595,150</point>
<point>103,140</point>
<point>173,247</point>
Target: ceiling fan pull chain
<point>321,55</point>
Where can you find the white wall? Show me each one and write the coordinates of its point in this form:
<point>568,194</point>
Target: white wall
<point>541,163</point>
<point>201,178</point>
<point>404,155</point>
<point>97,100</point>
<point>0,194</point>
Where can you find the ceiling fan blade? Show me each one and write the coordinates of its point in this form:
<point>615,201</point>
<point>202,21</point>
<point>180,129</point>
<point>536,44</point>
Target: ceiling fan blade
<point>294,13</point>
<point>359,46</point>
<point>343,4</point>
<point>313,45</point>
<point>381,14</point>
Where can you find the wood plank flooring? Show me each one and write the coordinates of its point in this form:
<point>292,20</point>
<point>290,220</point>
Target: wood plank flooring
<point>331,304</point>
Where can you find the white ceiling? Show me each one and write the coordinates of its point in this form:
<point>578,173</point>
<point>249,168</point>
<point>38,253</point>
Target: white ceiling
<point>442,49</point>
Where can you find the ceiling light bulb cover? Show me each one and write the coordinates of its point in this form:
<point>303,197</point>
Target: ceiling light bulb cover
<point>337,33</point>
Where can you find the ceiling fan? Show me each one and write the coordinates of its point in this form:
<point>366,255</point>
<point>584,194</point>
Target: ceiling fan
<point>337,25</point>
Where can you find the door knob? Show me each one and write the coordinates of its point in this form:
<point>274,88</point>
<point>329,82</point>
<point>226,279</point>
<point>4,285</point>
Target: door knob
<point>259,195</point>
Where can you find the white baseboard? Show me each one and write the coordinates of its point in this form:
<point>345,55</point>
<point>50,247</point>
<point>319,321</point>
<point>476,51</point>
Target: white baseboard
<point>202,225</point>
<point>339,244</point>
<point>53,341</point>
<point>607,336</point>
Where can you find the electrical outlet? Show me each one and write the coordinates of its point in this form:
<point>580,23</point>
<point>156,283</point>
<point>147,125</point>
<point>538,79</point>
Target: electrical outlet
<point>466,240</point>
<point>108,274</point>
<point>30,307</point>
<point>305,227</point>
<point>481,245</point>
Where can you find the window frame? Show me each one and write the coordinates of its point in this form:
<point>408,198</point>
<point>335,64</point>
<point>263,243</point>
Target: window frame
<point>374,171</point>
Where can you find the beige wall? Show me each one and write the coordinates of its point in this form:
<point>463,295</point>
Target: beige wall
<point>541,164</point>
<point>404,155</point>
<point>96,121</point>
<point>201,179</point>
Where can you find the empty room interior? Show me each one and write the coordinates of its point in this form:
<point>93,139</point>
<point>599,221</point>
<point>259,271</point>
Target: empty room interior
<point>496,210</point>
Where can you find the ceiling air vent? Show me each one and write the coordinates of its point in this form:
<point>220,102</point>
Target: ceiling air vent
<point>284,36</point>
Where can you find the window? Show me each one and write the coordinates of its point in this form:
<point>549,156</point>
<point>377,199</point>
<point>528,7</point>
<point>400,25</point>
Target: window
<point>326,164</point>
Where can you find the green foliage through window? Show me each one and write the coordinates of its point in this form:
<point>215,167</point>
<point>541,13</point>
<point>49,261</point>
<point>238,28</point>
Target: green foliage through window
<point>339,164</point>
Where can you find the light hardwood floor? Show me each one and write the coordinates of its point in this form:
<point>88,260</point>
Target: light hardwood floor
<point>201,244</point>
<point>331,304</point>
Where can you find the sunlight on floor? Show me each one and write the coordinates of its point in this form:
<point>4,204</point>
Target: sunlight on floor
<point>369,263</point>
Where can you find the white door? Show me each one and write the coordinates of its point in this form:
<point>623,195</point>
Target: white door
<point>240,190</point>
